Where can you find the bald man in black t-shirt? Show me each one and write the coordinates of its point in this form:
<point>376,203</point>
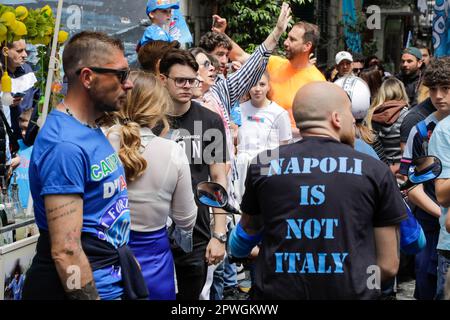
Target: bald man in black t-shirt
<point>328,216</point>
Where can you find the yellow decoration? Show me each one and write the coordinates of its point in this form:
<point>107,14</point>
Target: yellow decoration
<point>21,13</point>
<point>20,29</point>
<point>62,36</point>
<point>9,19</point>
<point>47,11</point>
<point>6,82</point>
<point>3,30</point>
<point>48,31</point>
<point>46,40</point>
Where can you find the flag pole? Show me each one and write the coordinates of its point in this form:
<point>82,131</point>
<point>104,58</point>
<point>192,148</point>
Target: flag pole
<point>48,86</point>
<point>52,63</point>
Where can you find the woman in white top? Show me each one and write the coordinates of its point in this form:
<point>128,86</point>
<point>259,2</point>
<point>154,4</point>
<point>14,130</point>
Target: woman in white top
<point>159,181</point>
<point>265,126</point>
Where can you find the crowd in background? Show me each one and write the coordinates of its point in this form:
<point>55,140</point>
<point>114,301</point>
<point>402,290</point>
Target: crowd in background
<point>180,103</point>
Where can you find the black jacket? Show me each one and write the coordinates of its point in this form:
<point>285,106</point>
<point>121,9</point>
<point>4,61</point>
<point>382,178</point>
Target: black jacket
<point>411,83</point>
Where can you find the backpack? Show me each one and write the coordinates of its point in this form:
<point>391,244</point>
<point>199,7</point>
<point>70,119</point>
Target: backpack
<point>422,130</point>
<point>412,237</point>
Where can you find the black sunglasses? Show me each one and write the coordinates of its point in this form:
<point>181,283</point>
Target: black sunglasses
<point>122,74</point>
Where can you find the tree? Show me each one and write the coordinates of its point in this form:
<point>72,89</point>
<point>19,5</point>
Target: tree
<point>251,21</point>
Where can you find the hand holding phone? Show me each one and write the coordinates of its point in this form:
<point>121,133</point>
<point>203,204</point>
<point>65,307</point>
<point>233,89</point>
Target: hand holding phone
<point>219,24</point>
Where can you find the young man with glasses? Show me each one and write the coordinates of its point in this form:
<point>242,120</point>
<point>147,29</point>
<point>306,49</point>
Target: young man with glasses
<point>78,184</point>
<point>202,135</point>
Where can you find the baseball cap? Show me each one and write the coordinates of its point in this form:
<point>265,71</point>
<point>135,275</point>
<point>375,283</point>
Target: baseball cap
<point>153,5</point>
<point>359,93</point>
<point>413,51</point>
<point>343,55</point>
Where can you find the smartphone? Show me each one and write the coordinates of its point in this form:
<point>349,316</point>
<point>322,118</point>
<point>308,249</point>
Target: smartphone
<point>18,95</point>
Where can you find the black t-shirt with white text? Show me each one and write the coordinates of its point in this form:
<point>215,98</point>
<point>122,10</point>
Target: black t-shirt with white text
<point>320,201</point>
<point>202,135</point>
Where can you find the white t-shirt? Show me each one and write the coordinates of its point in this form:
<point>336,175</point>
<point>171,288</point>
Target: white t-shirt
<point>262,128</point>
<point>164,189</point>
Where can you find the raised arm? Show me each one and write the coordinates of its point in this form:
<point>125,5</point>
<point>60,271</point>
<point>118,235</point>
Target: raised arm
<point>241,81</point>
<point>237,53</point>
<point>65,219</point>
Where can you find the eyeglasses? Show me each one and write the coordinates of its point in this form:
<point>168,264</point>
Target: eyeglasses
<point>122,74</point>
<point>206,64</point>
<point>181,82</point>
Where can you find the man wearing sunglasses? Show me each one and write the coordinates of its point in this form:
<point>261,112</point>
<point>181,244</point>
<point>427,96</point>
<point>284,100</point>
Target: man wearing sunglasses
<point>78,184</point>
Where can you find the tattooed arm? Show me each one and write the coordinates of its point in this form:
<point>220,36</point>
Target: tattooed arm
<point>65,219</point>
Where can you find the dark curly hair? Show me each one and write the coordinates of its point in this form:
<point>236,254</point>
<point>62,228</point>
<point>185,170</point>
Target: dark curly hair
<point>437,72</point>
<point>212,40</point>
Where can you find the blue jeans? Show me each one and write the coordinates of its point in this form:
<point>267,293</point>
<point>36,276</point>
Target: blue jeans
<point>443,264</point>
<point>225,276</point>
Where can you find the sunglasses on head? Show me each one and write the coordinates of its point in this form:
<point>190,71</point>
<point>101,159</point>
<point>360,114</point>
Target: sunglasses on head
<point>122,74</point>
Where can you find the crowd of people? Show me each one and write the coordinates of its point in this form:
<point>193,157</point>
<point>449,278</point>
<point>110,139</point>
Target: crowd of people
<point>312,159</point>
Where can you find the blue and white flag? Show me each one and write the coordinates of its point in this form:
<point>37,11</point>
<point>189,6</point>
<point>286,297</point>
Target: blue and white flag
<point>441,27</point>
<point>179,29</point>
<point>352,39</point>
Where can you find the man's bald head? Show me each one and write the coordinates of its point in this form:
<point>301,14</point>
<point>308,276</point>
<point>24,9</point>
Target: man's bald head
<point>315,102</point>
<point>323,108</point>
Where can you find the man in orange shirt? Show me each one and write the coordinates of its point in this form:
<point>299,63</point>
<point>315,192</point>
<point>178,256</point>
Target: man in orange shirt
<point>287,75</point>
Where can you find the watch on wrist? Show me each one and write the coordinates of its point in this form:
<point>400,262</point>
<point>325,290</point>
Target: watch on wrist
<point>222,237</point>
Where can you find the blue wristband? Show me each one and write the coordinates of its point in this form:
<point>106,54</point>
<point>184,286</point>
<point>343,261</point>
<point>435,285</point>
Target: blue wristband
<point>241,232</point>
<point>240,243</point>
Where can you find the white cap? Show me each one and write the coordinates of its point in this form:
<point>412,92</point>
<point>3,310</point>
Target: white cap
<point>359,93</point>
<point>343,55</point>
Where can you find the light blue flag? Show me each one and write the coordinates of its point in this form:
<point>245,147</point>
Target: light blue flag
<point>179,29</point>
<point>352,39</point>
<point>441,27</point>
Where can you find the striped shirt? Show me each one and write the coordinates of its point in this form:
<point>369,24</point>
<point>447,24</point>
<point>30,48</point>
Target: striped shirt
<point>232,89</point>
<point>415,146</point>
<point>388,138</point>
<point>227,92</point>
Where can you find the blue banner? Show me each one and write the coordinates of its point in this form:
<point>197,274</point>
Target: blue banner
<point>179,29</point>
<point>441,27</point>
<point>352,39</point>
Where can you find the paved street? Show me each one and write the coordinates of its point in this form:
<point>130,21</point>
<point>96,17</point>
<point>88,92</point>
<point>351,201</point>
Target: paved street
<point>406,290</point>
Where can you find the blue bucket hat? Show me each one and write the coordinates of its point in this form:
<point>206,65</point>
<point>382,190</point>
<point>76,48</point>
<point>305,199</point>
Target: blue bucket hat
<point>153,5</point>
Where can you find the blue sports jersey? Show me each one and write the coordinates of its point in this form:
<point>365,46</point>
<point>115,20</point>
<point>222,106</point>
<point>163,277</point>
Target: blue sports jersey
<point>153,33</point>
<point>71,158</point>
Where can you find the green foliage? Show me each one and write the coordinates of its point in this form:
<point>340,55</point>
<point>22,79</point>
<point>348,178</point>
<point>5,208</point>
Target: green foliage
<point>251,21</point>
<point>34,25</point>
